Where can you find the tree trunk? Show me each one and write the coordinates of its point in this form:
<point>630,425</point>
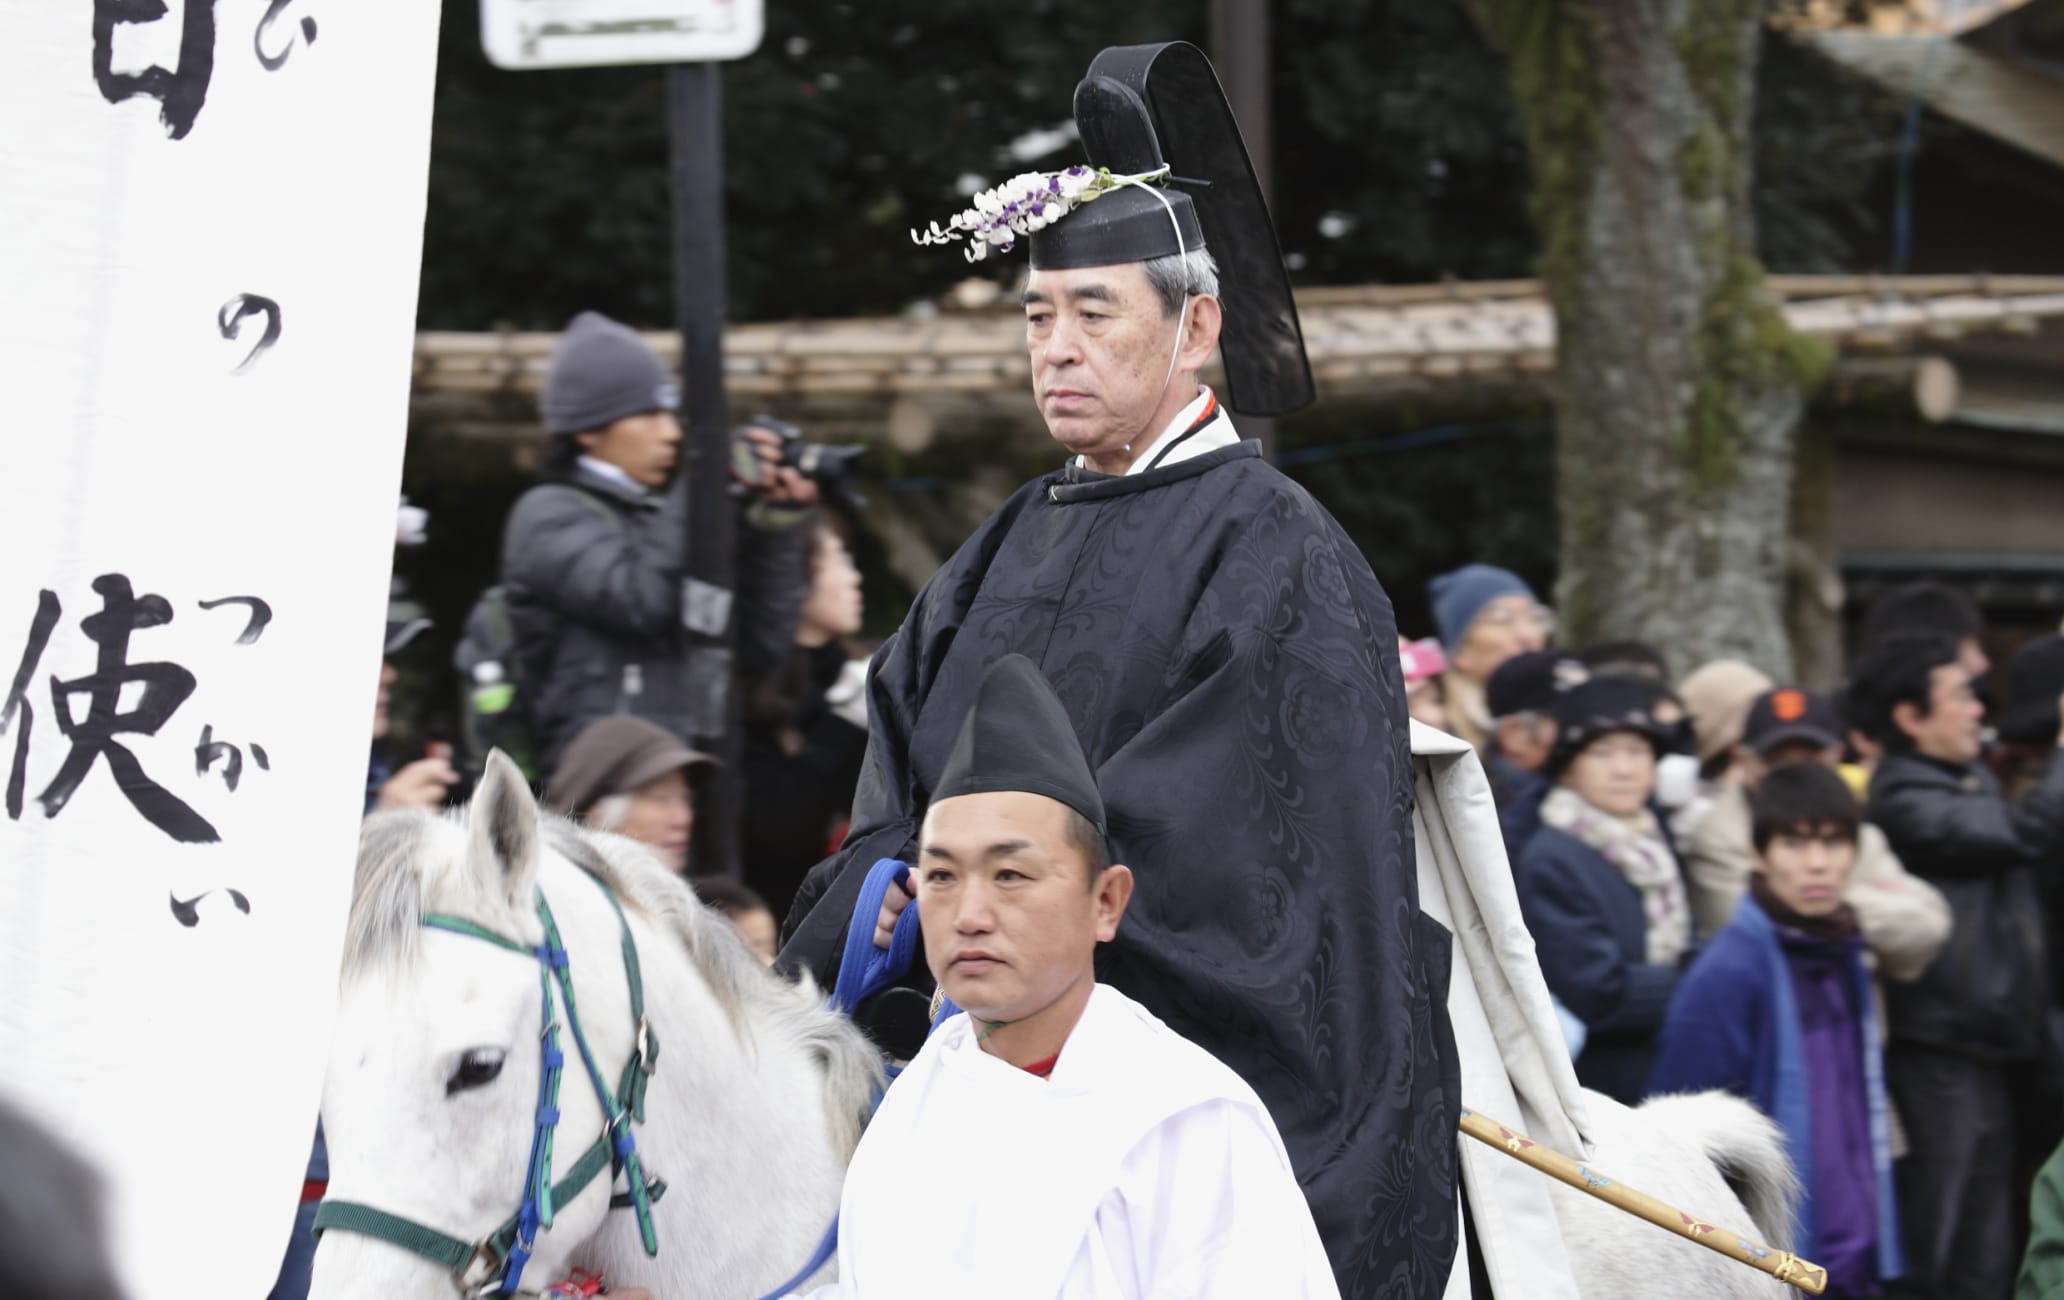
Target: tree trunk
<point>1813,602</point>
<point>1678,385</point>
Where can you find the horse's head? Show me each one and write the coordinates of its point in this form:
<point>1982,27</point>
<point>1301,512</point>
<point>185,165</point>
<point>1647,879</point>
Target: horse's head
<point>433,1091</point>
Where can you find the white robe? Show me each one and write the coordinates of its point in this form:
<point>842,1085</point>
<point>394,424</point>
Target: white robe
<point>1142,1169</point>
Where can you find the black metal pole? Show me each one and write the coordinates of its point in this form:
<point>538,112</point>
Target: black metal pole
<point>1240,52</point>
<point>695,122</point>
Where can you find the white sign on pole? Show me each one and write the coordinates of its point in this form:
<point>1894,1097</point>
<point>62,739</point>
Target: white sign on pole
<point>214,216</point>
<point>528,34</point>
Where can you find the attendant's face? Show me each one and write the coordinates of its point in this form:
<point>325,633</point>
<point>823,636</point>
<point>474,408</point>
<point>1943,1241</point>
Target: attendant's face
<point>1504,627</point>
<point>1615,773</point>
<point>1808,867</point>
<point>1011,918</point>
<point>662,815</point>
<point>1950,730</point>
<point>1101,345</point>
<point>642,446</point>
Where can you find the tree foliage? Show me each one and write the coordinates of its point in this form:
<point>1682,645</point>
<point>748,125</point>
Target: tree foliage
<point>1398,156</point>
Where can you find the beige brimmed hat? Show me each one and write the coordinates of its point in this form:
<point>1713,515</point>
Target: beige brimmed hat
<point>1718,696</point>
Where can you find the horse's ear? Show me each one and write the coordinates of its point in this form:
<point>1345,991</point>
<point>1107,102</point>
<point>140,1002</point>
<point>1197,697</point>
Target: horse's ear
<point>504,821</point>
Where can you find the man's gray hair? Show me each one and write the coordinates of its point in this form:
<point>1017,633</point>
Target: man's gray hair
<point>1182,275</point>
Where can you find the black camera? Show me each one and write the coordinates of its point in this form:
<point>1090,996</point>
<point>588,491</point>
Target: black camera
<point>831,468</point>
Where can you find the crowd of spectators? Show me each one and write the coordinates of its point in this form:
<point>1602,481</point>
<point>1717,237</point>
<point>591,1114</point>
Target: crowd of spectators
<point>1839,906</point>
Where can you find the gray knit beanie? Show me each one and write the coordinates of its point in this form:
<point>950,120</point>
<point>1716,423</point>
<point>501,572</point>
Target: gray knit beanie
<point>602,372</point>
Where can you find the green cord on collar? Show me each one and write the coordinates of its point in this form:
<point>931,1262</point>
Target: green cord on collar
<point>989,1027</point>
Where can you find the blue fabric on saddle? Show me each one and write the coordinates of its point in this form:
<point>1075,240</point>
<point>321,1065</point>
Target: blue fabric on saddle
<point>866,970</point>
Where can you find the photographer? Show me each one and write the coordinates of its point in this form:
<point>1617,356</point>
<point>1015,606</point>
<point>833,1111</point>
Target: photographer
<point>594,559</point>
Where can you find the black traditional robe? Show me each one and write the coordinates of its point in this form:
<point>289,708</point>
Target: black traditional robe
<point>1227,659</point>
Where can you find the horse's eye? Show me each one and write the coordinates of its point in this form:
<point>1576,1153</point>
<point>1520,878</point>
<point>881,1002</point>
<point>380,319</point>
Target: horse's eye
<point>477,1069</point>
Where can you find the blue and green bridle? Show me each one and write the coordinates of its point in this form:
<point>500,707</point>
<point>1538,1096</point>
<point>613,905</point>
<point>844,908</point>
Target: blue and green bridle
<point>495,1264</point>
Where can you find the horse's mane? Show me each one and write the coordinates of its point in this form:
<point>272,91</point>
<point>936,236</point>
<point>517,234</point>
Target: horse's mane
<point>393,885</point>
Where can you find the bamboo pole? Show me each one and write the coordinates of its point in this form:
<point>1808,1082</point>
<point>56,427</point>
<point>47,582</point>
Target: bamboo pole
<point>1780,1264</point>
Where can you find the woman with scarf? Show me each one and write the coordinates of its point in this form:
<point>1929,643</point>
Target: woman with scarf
<point>1778,1010</point>
<point>1599,884</point>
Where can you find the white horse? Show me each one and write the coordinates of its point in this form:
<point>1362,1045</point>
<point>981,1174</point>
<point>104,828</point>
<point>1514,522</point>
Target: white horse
<point>1708,1154</point>
<point>755,1103</point>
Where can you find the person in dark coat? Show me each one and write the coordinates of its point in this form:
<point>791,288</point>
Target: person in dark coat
<point>594,560</point>
<point>806,730</point>
<point>1970,1056</point>
<point>1599,886</point>
<point>1228,661</point>
<point>1778,1010</point>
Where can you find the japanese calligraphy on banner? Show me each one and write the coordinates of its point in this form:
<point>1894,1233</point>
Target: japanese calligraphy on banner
<point>214,218</point>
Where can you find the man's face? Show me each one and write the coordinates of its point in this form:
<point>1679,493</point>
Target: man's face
<point>1011,919</point>
<point>1808,867</point>
<point>1100,347</point>
<point>1950,731</point>
<point>642,446</point>
<point>1504,627</point>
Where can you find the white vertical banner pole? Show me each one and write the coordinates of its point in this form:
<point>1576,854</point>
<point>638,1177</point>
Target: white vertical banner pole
<point>214,216</point>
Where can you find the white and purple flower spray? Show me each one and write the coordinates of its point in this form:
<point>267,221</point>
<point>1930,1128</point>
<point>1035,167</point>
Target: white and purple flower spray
<point>1024,204</point>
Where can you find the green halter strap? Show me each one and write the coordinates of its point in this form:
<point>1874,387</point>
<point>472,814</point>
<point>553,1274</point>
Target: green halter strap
<point>494,1265</point>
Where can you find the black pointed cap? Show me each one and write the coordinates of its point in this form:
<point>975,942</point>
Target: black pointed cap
<point>1145,105</point>
<point>1017,737</point>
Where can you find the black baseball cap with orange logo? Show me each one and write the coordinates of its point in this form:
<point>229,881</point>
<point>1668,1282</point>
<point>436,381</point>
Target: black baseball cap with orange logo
<point>1792,715</point>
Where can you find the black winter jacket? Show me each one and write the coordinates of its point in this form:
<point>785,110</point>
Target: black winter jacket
<point>1988,991</point>
<point>594,571</point>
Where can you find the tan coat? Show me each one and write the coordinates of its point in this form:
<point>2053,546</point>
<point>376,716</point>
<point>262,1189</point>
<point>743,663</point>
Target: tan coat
<point>1904,918</point>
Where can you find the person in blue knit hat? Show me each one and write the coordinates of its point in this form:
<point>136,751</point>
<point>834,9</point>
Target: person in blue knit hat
<point>1486,615</point>
<point>594,559</point>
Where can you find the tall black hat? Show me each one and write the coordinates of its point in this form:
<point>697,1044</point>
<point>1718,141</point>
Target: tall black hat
<point>1017,737</point>
<point>1143,107</point>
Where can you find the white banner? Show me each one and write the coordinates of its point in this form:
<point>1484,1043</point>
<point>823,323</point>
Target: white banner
<point>213,220</point>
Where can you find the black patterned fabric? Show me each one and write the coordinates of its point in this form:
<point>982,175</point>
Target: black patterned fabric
<point>1226,657</point>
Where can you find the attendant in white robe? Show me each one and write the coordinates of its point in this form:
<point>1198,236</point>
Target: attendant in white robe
<point>1054,1139</point>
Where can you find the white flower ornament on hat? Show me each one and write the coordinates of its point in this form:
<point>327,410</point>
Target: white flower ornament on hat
<point>1025,204</point>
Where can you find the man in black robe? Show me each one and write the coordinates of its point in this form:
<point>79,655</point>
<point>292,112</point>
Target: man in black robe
<point>1228,661</point>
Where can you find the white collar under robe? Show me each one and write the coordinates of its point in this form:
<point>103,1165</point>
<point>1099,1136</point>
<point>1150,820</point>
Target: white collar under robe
<point>1169,447</point>
<point>1141,1169</point>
